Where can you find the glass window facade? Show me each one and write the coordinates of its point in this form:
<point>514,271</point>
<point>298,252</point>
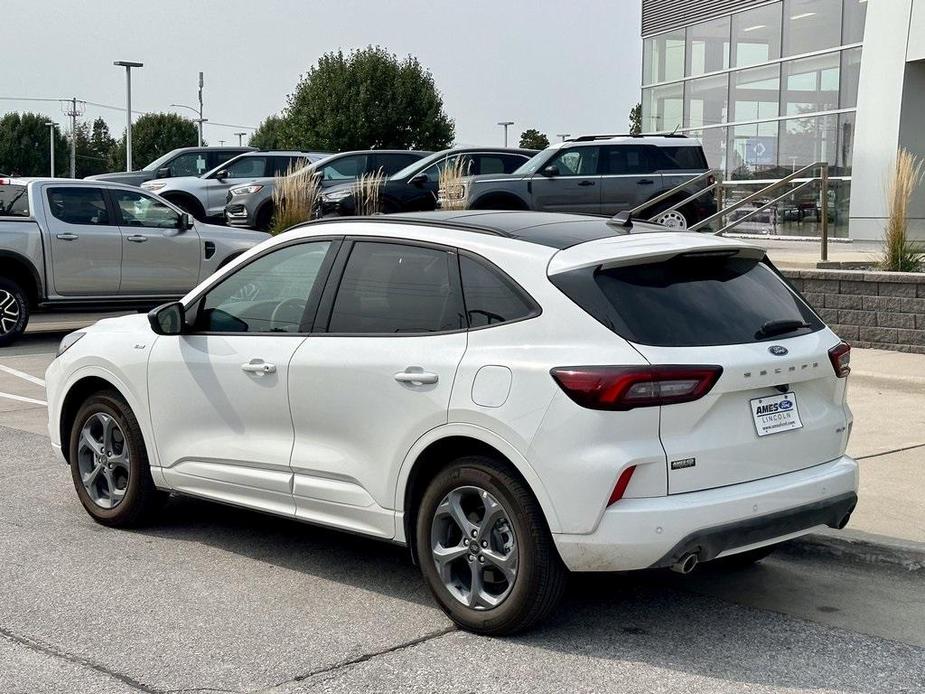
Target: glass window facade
<point>767,90</point>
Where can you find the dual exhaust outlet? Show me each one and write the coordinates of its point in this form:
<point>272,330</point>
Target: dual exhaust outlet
<point>686,564</point>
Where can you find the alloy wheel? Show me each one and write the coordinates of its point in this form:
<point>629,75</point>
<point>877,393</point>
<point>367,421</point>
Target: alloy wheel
<point>103,460</point>
<point>474,547</point>
<point>672,220</point>
<point>9,312</point>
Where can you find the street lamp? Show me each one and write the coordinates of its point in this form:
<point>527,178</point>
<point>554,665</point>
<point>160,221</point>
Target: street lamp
<point>51,145</point>
<point>506,124</point>
<point>240,135</point>
<point>199,121</point>
<point>128,65</point>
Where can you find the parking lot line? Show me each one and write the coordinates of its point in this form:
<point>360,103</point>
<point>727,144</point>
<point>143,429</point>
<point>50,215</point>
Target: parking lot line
<point>23,375</point>
<point>21,398</point>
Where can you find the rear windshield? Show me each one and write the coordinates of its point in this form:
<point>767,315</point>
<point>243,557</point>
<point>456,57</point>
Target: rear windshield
<point>691,301</point>
<point>14,201</point>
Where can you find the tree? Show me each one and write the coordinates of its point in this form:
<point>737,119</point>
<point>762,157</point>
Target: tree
<point>636,120</point>
<point>95,148</point>
<point>533,139</point>
<point>154,134</point>
<point>270,134</point>
<point>24,149</point>
<point>367,99</point>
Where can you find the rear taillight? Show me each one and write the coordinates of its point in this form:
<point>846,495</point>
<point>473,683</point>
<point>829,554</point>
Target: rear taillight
<point>623,388</point>
<point>840,356</point>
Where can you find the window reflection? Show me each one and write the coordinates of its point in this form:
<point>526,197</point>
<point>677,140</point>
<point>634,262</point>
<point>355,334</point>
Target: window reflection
<point>756,35</point>
<point>708,47</point>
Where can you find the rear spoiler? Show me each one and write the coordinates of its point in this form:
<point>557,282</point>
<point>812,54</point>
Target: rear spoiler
<point>620,251</point>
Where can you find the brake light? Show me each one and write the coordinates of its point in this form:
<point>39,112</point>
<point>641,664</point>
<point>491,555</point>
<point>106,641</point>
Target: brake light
<point>621,485</point>
<point>840,356</point>
<point>624,388</point>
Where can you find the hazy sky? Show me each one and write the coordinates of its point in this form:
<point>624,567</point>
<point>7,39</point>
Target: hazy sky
<point>568,66</point>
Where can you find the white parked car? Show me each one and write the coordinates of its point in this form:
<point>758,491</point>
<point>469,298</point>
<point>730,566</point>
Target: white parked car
<point>514,395</point>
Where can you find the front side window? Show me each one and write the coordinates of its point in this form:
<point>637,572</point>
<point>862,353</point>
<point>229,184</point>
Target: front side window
<point>140,210</point>
<point>189,164</point>
<point>576,161</point>
<point>268,295</point>
<point>247,167</point>
<point>344,169</point>
<point>390,289</point>
<point>491,298</point>
<point>73,205</point>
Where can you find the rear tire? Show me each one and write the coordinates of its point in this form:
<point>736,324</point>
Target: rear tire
<point>504,575</point>
<point>14,311</point>
<point>109,463</point>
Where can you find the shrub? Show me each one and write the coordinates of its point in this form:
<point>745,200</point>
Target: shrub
<point>366,193</point>
<point>451,184</point>
<point>295,197</point>
<point>901,254</point>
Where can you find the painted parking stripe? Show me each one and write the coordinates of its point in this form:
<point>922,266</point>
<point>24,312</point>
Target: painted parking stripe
<point>23,375</point>
<point>20,398</point>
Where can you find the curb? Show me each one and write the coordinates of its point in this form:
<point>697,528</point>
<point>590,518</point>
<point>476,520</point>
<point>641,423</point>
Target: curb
<point>861,546</point>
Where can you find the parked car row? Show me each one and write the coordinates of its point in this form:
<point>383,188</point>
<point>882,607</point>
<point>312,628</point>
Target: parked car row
<point>184,161</point>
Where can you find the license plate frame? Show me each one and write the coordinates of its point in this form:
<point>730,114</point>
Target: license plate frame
<point>771,416</point>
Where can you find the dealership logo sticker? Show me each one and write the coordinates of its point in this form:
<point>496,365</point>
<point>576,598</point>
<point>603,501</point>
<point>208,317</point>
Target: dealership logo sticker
<point>681,464</point>
<point>778,350</point>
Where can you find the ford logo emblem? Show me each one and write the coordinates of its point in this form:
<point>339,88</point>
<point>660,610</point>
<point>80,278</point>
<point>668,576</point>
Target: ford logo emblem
<point>785,405</point>
<point>778,351</point>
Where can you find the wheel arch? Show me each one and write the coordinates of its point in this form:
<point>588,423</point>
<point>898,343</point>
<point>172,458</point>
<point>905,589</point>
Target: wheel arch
<point>177,197</point>
<point>21,270</point>
<point>436,450</point>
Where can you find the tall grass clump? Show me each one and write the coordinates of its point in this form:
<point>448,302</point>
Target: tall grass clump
<point>367,193</point>
<point>901,254</point>
<point>452,192</point>
<point>295,196</point>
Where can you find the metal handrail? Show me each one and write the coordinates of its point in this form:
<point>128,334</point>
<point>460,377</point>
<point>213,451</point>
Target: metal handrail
<point>625,218</point>
<point>752,213</point>
<point>686,200</point>
<point>758,194</point>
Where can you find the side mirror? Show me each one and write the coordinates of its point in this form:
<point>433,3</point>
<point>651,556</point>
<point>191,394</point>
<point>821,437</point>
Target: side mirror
<point>167,319</point>
<point>550,171</point>
<point>419,180</point>
<point>163,173</point>
<point>185,221</point>
<point>221,174</point>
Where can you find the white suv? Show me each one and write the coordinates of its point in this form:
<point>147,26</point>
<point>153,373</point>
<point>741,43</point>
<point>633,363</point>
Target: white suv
<point>511,394</point>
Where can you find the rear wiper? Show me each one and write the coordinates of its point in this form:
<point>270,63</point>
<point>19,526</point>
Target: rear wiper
<point>780,327</point>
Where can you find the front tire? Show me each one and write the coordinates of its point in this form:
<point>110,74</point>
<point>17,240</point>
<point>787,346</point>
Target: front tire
<point>14,312</point>
<point>485,549</point>
<point>109,463</point>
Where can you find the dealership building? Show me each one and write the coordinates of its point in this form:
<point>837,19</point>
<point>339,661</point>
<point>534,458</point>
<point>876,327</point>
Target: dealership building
<point>770,87</point>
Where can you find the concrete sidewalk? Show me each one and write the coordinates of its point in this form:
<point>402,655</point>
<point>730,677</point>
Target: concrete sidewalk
<point>805,255</point>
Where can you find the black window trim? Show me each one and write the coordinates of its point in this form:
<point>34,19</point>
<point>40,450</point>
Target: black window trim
<point>535,309</point>
<point>310,314</point>
<point>325,309</point>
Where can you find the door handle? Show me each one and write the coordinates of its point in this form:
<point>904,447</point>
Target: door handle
<point>645,182</point>
<point>259,367</point>
<point>136,238</point>
<point>586,183</point>
<point>68,236</point>
<point>416,377</point>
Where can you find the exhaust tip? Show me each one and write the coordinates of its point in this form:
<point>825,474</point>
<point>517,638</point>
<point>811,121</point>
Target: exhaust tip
<point>685,564</point>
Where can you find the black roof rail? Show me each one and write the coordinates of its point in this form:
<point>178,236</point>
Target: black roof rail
<point>591,138</point>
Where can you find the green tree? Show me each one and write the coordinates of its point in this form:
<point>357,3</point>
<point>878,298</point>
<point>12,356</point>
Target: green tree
<point>95,148</point>
<point>154,134</point>
<point>270,134</point>
<point>636,120</point>
<point>533,139</point>
<point>367,99</point>
<point>24,149</point>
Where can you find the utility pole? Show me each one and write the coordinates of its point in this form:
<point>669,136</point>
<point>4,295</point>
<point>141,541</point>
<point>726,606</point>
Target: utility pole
<point>72,113</point>
<point>51,145</point>
<point>563,135</point>
<point>506,124</point>
<point>128,65</point>
<point>240,135</point>
<point>201,120</point>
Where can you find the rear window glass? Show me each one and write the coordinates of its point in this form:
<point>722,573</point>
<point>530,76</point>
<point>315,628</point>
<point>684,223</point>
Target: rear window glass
<point>14,201</point>
<point>684,157</point>
<point>490,297</point>
<point>691,301</point>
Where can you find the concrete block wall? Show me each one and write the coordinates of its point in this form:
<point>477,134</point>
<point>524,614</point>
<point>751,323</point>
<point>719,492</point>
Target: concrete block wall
<point>885,310</point>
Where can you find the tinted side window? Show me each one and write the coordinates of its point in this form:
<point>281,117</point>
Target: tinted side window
<point>392,163</point>
<point>267,295</point>
<point>247,167</point>
<point>511,162</point>
<point>14,201</point>
<point>628,160</point>
<point>189,164</point>
<point>490,164</point>
<point>280,166</point>
<point>683,158</point>
<point>392,288</point>
<point>344,169</point>
<point>78,205</point>
<point>491,297</point>
<point>217,158</point>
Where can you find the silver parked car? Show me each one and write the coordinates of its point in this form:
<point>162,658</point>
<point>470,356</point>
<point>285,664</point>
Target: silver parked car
<point>204,196</point>
<point>184,161</point>
<point>251,205</point>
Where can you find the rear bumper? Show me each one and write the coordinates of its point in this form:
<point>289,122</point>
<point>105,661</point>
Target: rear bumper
<point>656,532</point>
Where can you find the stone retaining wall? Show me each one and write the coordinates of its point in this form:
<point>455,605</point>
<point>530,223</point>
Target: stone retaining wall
<point>885,310</point>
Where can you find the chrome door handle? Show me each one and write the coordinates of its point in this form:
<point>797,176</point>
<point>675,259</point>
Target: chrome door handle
<point>68,236</point>
<point>136,238</point>
<point>645,182</point>
<point>259,367</point>
<point>416,377</point>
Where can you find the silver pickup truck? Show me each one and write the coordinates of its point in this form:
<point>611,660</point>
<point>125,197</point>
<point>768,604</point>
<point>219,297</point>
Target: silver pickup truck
<point>67,244</point>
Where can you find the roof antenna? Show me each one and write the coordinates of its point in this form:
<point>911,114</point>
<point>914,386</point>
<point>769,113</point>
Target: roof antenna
<point>675,131</point>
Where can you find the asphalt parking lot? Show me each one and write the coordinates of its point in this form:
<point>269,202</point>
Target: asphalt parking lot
<point>215,599</point>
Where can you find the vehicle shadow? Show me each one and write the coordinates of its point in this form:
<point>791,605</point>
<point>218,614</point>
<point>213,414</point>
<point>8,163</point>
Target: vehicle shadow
<point>609,621</point>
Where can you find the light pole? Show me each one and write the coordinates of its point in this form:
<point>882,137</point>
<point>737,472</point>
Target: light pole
<point>51,145</point>
<point>240,135</point>
<point>128,65</point>
<point>199,121</point>
<point>506,124</point>
<point>563,135</point>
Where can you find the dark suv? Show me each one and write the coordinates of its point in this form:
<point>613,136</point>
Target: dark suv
<point>414,188</point>
<point>599,174</point>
